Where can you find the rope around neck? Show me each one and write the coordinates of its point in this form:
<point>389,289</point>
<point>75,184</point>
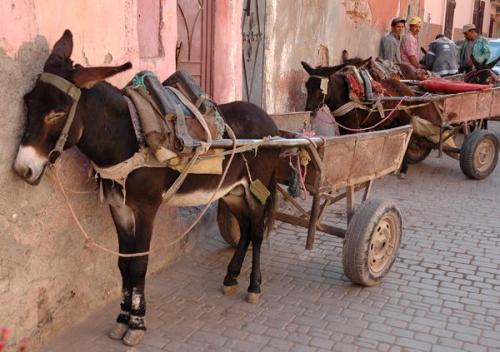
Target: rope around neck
<point>89,241</point>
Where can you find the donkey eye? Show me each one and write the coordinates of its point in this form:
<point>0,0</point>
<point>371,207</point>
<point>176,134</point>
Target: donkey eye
<point>53,116</point>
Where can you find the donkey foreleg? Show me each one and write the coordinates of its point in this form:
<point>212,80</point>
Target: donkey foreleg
<point>134,226</point>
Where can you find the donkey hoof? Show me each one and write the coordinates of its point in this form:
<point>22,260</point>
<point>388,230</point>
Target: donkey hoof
<point>118,331</point>
<point>229,290</point>
<point>133,337</point>
<point>253,297</point>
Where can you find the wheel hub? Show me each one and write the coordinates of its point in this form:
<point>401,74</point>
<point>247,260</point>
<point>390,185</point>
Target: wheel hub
<point>484,155</point>
<point>382,245</point>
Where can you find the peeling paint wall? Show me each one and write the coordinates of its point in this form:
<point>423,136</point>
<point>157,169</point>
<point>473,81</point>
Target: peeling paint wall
<point>48,280</point>
<point>294,34</point>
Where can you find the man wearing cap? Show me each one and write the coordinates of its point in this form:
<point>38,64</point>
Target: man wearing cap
<point>390,46</point>
<point>409,44</point>
<point>474,45</point>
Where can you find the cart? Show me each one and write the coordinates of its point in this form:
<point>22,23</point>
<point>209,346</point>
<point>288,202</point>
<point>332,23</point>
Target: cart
<point>340,167</point>
<point>466,114</point>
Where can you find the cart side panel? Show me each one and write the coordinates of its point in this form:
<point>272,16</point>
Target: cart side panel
<point>363,158</point>
<point>337,161</point>
<point>484,101</point>
<point>366,158</point>
<point>393,154</point>
<point>292,121</point>
<point>495,104</point>
<point>461,107</point>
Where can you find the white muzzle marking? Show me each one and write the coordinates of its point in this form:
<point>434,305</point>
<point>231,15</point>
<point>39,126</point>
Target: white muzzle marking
<point>30,164</point>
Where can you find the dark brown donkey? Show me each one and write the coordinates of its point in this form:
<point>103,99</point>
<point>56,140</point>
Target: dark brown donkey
<point>338,95</point>
<point>103,131</point>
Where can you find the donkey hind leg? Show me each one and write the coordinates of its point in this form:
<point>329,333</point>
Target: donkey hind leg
<point>259,213</point>
<point>238,207</point>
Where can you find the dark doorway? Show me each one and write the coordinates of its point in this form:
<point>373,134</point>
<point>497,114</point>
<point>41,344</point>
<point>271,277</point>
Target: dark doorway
<point>450,13</point>
<point>253,33</point>
<point>478,17</point>
<point>195,26</point>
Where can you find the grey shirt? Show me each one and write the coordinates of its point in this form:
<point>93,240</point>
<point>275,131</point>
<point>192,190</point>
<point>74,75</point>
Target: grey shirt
<point>469,47</point>
<point>442,57</point>
<point>390,48</point>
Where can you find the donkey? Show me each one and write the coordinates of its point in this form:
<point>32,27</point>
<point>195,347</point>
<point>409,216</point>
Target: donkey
<point>338,95</point>
<point>483,73</point>
<point>103,131</point>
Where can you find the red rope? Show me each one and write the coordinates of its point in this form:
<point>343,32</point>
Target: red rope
<point>366,128</point>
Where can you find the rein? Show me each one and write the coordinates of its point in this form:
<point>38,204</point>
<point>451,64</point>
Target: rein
<point>74,92</point>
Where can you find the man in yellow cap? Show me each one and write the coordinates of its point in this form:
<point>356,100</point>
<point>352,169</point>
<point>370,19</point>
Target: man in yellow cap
<point>409,44</point>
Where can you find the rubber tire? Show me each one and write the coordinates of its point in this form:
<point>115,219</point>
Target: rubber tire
<point>469,149</point>
<point>424,151</point>
<point>357,240</point>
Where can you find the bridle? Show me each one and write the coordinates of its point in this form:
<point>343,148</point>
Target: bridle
<point>74,92</point>
<point>323,87</point>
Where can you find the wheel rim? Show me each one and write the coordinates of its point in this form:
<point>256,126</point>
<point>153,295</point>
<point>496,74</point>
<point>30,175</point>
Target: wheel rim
<point>382,244</point>
<point>484,155</point>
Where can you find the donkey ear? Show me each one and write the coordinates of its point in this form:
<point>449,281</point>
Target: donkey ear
<point>308,68</point>
<point>86,77</point>
<point>362,63</point>
<point>345,56</point>
<point>64,46</point>
<point>494,62</point>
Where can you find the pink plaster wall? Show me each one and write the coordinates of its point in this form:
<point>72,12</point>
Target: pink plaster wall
<point>105,32</point>
<point>48,281</point>
<point>227,51</point>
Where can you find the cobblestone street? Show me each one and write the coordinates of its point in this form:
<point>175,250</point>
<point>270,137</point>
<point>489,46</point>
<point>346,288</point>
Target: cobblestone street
<point>442,294</point>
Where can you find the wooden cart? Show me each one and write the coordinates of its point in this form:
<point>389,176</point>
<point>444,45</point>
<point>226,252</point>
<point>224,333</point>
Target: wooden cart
<point>461,114</point>
<point>340,167</point>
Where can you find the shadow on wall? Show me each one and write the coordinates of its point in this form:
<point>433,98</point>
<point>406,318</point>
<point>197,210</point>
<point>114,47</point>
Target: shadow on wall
<point>292,86</point>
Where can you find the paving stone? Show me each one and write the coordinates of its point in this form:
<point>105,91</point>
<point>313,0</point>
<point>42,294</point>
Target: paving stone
<point>441,294</point>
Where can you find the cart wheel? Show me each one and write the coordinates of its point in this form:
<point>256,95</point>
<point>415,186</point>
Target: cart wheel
<point>229,227</point>
<point>417,150</point>
<point>479,154</point>
<point>371,242</point>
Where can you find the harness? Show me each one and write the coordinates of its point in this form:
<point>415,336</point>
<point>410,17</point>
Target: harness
<point>74,92</point>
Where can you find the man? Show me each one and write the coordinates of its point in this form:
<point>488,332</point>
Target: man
<point>390,46</point>
<point>474,45</point>
<point>442,56</point>
<point>409,44</point>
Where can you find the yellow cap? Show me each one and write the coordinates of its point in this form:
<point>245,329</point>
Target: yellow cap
<point>416,21</point>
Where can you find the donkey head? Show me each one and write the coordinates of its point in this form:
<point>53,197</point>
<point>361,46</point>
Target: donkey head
<point>51,106</point>
<point>315,94</point>
<point>483,73</point>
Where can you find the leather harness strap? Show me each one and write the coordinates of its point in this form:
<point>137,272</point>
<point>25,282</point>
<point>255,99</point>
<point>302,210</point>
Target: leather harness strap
<point>74,92</point>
